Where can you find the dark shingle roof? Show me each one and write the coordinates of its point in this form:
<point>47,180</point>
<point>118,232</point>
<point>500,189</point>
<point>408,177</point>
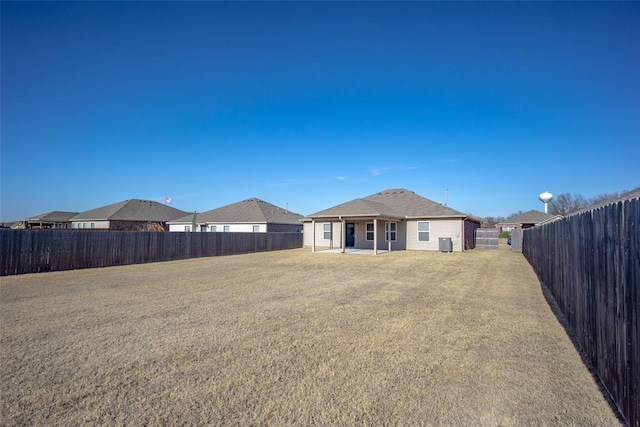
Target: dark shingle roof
<point>398,203</point>
<point>53,216</point>
<point>531,217</point>
<point>358,207</point>
<point>246,211</point>
<point>132,210</point>
<point>413,205</point>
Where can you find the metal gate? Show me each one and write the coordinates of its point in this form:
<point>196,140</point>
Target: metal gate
<point>487,238</point>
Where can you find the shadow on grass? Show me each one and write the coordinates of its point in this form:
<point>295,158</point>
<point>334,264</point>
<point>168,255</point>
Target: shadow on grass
<point>555,308</point>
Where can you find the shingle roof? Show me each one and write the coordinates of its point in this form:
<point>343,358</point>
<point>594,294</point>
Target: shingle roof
<point>531,217</point>
<point>397,202</point>
<point>246,211</point>
<point>132,210</point>
<point>359,207</point>
<point>413,205</point>
<point>53,216</point>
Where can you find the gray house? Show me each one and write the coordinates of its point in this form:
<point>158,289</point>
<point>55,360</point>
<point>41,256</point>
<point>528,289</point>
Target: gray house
<point>526,220</point>
<point>395,219</point>
<point>249,216</point>
<point>133,214</point>
<point>46,221</point>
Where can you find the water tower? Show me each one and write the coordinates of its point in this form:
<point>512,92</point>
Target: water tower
<point>545,198</point>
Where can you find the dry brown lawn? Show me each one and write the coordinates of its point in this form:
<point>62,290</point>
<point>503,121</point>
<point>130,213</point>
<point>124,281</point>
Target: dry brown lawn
<point>293,338</point>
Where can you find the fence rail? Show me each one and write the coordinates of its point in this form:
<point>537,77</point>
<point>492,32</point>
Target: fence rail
<point>591,264</point>
<point>33,251</point>
<point>487,238</point>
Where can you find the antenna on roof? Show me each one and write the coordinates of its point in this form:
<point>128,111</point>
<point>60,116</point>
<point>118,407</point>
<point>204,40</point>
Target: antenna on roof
<point>286,209</point>
<point>446,196</point>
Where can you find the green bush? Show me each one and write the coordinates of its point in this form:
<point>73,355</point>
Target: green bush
<point>505,234</point>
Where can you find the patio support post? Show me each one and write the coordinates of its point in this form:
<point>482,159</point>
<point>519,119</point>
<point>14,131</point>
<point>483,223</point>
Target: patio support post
<point>313,227</point>
<point>343,233</point>
<point>375,236</point>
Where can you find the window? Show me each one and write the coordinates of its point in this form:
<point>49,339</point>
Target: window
<point>225,228</point>
<point>256,228</point>
<point>423,231</point>
<point>187,228</point>
<point>370,231</point>
<point>390,231</point>
<point>327,231</point>
<point>93,225</point>
<point>212,228</point>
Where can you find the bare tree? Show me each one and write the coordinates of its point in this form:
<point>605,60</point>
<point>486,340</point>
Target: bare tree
<point>488,221</point>
<point>567,203</point>
<point>150,226</point>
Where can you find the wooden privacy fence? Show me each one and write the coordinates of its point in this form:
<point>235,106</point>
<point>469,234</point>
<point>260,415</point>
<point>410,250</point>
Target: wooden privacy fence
<point>33,251</point>
<point>517,234</point>
<point>487,238</point>
<point>591,264</point>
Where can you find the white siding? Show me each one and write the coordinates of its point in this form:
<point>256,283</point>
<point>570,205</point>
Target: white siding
<point>86,225</point>
<point>178,227</point>
<point>237,228</point>
<point>438,228</point>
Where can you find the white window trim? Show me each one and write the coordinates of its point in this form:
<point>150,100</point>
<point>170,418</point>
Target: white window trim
<point>367,232</point>
<point>226,228</point>
<point>325,231</point>
<point>388,232</point>
<point>418,231</point>
<point>256,228</point>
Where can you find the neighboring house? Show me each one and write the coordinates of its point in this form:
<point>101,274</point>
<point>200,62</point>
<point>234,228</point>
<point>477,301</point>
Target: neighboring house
<point>526,220</point>
<point>49,220</point>
<point>251,215</point>
<point>395,219</point>
<point>131,214</point>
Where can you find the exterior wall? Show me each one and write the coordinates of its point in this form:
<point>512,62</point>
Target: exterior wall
<point>233,228</point>
<point>178,227</point>
<point>238,228</point>
<point>361,241</point>
<point>132,225</point>
<point>469,234</point>
<point>307,234</point>
<point>86,225</point>
<point>336,235</point>
<point>284,228</point>
<point>116,225</point>
<point>452,228</point>
<point>47,225</point>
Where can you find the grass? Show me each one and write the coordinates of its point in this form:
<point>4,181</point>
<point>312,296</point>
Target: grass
<point>293,338</point>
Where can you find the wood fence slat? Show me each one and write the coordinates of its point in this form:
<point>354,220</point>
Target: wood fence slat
<point>590,262</point>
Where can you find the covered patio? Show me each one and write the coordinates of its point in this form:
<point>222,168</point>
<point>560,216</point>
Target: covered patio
<point>352,251</point>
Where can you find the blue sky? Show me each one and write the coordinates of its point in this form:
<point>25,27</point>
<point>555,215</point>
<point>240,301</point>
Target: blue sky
<point>311,104</point>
